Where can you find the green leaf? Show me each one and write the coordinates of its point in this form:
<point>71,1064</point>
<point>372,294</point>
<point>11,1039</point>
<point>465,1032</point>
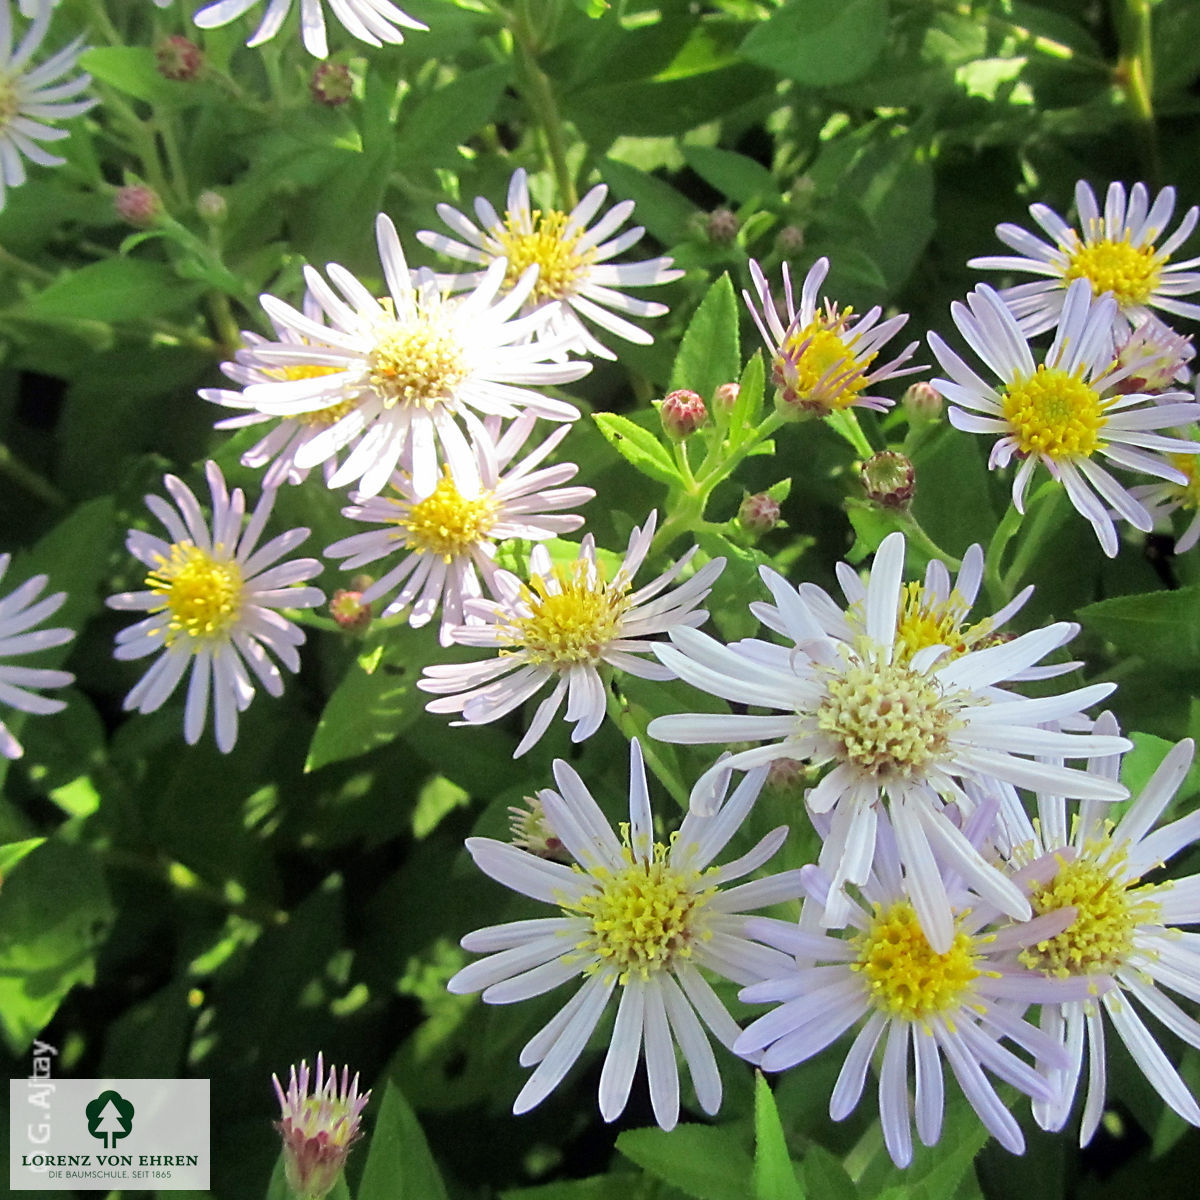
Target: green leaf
<point>370,707</point>
<point>12,854</point>
<point>664,212</point>
<point>399,1164</point>
<point>704,1161</point>
<point>639,447</point>
<point>115,289</point>
<point>132,70</point>
<point>710,353</point>
<point>820,44</point>
<point>739,178</point>
<point>278,1188</point>
<point>433,128</point>
<point>825,1176</point>
<point>54,913</point>
<point>774,1174</point>
<point>747,408</point>
<point>1160,627</point>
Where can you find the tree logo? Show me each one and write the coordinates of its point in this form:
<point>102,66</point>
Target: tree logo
<point>109,1118</point>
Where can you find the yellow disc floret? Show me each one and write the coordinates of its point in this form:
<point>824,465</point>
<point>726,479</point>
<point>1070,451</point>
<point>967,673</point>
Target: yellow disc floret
<point>1109,909</point>
<point>447,524</point>
<point>817,369</point>
<point>550,246</point>
<point>924,621</point>
<point>418,362</point>
<point>573,615</point>
<point>1130,272</point>
<point>887,720</point>
<point>1055,414</point>
<point>645,916</point>
<point>1188,494</point>
<point>10,102</point>
<point>905,977</point>
<point>202,594</point>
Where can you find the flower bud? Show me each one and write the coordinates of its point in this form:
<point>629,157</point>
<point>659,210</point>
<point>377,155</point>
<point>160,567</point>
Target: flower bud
<point>347,607</point>
<point>531,831</point>
<point>318,1128</point>
<point>138,205</point>
<point>725,397</point>
<point>1158,356</point>
<point>758,514</point>
<point>211,207</point>
<point>789,239</point>
<point>331,84</point>
<point>177,58</point>
<point>786,775</point>
<point>722,226</point>
<point>888,478</point>
<point>923,402</point>
<point>682,413</point>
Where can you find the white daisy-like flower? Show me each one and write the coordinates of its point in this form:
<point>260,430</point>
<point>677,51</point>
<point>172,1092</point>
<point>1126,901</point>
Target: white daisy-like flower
<point>409,372</point>
<point>576,282</point>
<point>638,915</point>
<point>32,96</point>
<point>1124,939</point>
<point>20,611</point>
<point>565,626</point>
<point>1163,499</point>
<point>1062,412</point>
<point>278,449</point>
<point>376,22</point>
<point>823,358</point>
<point>447,539</point>
<point>902,730</point>
<point>213,600</point>
<point>924,1007</point>
<point>1116,253</point>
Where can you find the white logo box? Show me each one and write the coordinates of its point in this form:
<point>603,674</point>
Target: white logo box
<point>105,1134</point>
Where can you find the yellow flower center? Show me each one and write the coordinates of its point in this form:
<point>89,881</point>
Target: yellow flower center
<point>575,614</point>
<point>10,102</point>
<point>905,977</point>
<point>417,363</point>
<point>1188,494</point>
<point>644,916</point>
<point>1131,273</point>
<point>926,622</point>
<point>817,370</point>
<point>203,596</point>
<point>549,246</point>
<point>445,523</point>
<point>1055,414</point>
<point>1109,909</point>
<point>887,720</point>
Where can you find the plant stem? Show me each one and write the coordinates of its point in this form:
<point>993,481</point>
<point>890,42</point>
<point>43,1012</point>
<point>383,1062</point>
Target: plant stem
<point>32,481</point>
<point>619,714</point>
<point>1135,75</point>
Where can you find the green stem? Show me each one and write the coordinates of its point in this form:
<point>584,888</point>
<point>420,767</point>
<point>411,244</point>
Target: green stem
<point>23,267</point>
<point>1135,74</point>
<point>846,423</point>
<point>1042,523</point>
<point>619,714</point>
<point>29,479</point>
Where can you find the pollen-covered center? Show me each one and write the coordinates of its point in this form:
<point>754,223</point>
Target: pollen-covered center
<point>887,720</point>
<point>1188,494</point>
<point>573,615</point>
<point>447,524</point>
<point>1055,414</point>
<point>905,977</point>
<point>202,594</point>
<point>817,369</point>
<point>1109,909</point>
<point>644,916</point>
<point>10,102</point>
<point>550,246</point>
<point>925,621</point>
<point>418,362</point>
<point>1130,272</point>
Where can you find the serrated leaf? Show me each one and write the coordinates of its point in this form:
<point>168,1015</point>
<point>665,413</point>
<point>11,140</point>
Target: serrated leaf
<point>639,447</point>
<point>703,1161</point>
<point>820,44</point>
<point>1160,627</point>
<point>774,1174</point>
<point>710,353</point>
<point>399,1165</point>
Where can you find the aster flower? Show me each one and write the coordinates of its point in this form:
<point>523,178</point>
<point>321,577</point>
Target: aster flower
<point>1161,356</point>
<point>20,611</point>
<point>408,372</point>
<point>32,96</point>
<point>576,282</point>
<point>213,601</point>
<point>925,1007</point>
<point>376,22</point>
<point>1163,499</point>
<point>822,359</point>
<point>1123,940</point>
<point>1064,411</point>
<point>638,916</point>
<point>1115,254</point>
<point>904,731</point>
<point>448,539</point>
<point>318,1127</point>
<point>566,625</point>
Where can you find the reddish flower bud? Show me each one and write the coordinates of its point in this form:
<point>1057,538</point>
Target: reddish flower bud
<point>138,204</point>
<point>347,607</point>
<point>888,478</point>
<point>178,58</point>
<point>331,84</point>
<point>722,226</point>
<point>758,514</point>
<point>923,402</point>
<point>789,239</point>
<point>682,413</point>
<point>725,397</point>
